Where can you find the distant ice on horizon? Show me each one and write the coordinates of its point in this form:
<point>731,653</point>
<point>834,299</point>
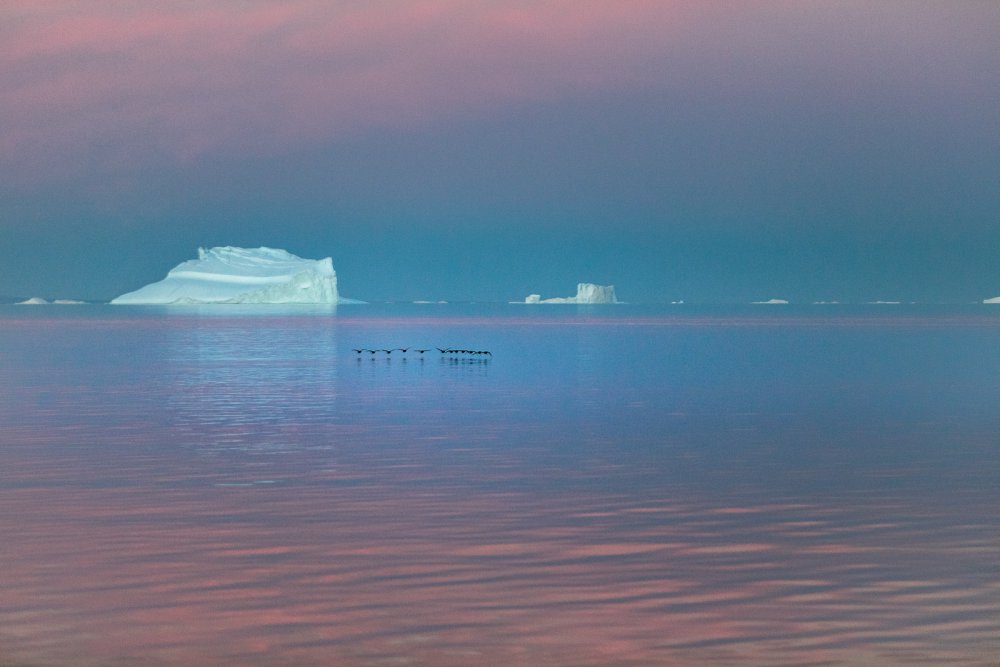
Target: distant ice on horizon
<point>585,293</point>
<point>995,299</point>
<point>771,301</point>
<point>39,301</point>
<point>228,274</point>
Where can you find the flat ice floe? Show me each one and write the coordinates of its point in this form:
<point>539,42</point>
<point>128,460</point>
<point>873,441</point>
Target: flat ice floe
<point>39,301</point>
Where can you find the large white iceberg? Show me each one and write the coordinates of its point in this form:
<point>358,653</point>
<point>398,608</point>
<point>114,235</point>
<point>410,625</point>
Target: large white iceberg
<point>243,275</point>
<point>585,293</point>
<point>995,299</point>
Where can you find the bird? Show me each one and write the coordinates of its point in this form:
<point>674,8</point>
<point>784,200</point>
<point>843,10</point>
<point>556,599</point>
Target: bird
<point>422,351</point>
<point>359,351</point>
<point>402,349</point>
<point>443,351</point>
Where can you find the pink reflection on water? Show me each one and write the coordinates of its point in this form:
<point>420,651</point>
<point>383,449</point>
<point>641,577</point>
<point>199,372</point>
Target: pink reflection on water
<point>321,574</point>
<point>192,537</point>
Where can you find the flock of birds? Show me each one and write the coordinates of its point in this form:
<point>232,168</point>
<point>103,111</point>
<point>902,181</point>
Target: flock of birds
<point>442,350</point>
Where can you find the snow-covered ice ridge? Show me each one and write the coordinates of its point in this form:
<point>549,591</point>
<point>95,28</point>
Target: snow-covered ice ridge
<point>243,275</point>
<point>585,293</point>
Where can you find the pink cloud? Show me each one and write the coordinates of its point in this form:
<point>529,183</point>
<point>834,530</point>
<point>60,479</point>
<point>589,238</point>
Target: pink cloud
<point>125,82</point>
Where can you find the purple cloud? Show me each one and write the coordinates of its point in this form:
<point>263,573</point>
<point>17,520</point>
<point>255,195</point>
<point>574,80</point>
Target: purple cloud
<point>118,84</point>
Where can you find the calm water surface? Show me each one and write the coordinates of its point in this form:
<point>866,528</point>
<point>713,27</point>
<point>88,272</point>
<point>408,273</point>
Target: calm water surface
<point>614,486</point>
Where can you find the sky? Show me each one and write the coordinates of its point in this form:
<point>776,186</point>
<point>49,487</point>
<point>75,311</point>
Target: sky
<point>710,151</point>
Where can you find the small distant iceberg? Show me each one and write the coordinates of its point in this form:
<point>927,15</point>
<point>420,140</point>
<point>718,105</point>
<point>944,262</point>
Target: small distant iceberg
<point>995,299</point>
<point>585,293</point>
<point>243,275</point>
<point>771,301</point>
<point>39,301</point>
<point>883,303</point>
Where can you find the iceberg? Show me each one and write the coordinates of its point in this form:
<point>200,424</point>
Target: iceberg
<point>39,301</point>
<point>995,299</point>
<point>585,293</point>
<point>771,302</point>
<point>243,275</point>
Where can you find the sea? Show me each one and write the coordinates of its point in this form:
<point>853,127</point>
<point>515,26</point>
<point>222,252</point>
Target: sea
<point>611,485</point>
